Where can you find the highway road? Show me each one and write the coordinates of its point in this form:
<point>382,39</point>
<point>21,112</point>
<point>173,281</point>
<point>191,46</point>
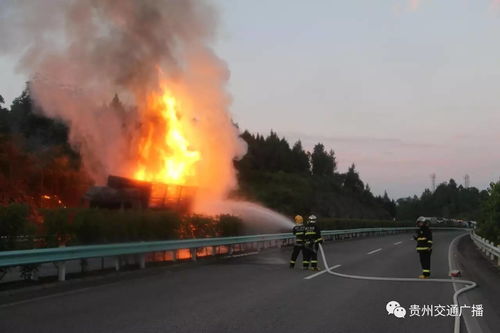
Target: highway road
<point>259,293</point>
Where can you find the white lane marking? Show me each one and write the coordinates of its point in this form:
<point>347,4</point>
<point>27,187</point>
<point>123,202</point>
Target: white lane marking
<point>319,273</point>
<point>397,243</point>
<point>40,298</point>
<point>374,251</point>
<point>241,255</point>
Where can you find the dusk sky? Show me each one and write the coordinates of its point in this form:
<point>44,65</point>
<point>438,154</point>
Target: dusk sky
<point>401,88</point>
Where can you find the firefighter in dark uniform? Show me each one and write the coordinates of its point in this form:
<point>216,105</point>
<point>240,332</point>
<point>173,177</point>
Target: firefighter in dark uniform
<point>312,241</point>
<point>424,246</point>
<point>298,232</point>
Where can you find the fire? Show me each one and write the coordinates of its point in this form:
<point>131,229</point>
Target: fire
<point>52,200</point>
<point>165,155</point>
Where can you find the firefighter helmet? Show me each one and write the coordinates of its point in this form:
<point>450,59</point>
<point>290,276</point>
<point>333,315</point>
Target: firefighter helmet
<point>422,221</point>
<point>299,219</point>
<point>312,218</point>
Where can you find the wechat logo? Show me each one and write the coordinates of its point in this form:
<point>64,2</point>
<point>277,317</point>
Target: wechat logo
<point>395,309</point>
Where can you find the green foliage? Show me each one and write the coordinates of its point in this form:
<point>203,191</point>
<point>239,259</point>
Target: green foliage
<point>97,226</point>
<point>14,224</point>
<point>300,159</point>
<point>448,201</point>
<point>489,224</point>
<point>58,226</point>
<point>352,182</point>
<point>36,130</point>
<point>84,226</point>
<point>229,226</point>
<point>93,226</point>
<point>323,163</point>
<point>272,154</point>
<point>285,192</point>
<point>294,181</point>
<point>36,158</point>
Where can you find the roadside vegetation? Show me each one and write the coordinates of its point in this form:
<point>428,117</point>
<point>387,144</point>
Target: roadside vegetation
<point>84,226</point>
<point>489,224</point>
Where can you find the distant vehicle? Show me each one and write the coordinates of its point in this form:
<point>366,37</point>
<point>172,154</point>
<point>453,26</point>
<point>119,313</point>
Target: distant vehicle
<point>429,219</point>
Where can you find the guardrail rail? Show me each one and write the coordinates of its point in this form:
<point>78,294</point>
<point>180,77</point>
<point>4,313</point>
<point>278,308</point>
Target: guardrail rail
<point>488,248</point>
<point>60,255</point>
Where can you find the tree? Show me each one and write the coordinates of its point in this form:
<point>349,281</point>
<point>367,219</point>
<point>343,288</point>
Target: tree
<point>333,160</point>
<point>352,182</point>
<point>300,159</point>
<point>4,118</point>
<point>323,163</point>
<point>489,225</point>
<point>36,130</point>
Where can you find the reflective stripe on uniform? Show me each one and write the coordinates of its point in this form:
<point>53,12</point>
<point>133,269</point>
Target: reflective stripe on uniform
<point>305,262</point>
<point>426,270</point>
<point>311,233</point>
<point>422,238</point>
<point>292,261</point>
<point>423,248</point>
<point>299,233</point>
<point>314,261</point>
<point>429,241</point>
<point>319,240</point>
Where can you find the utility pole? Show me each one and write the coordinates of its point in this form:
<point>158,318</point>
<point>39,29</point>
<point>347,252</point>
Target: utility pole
<point>467,181</point>
<point>433,182</point>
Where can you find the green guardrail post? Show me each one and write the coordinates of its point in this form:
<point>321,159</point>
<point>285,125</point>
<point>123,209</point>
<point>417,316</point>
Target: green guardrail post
<point>193,254</point>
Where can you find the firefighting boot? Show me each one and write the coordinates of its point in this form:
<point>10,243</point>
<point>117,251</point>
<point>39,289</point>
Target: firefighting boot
<point>423,277</point>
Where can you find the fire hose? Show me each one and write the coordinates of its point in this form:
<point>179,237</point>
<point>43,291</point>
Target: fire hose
<point>469,284</point>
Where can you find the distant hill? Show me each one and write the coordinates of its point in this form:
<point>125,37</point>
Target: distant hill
<point>294,181</point>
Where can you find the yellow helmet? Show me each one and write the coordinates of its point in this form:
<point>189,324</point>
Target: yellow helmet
<point>299,219</point>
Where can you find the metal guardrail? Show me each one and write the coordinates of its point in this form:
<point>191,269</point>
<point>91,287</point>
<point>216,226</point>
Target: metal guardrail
<point>489,248</point>
<point>62,254</point>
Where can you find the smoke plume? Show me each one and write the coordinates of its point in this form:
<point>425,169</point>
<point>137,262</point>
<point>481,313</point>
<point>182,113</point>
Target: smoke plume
<point>80,53</point>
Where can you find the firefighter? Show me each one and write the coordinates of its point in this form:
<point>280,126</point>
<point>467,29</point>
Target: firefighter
<point>298,232</point>
<point>312,241</point>
<point>424,246</point>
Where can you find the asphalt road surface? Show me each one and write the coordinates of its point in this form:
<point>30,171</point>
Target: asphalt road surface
<point>259,293</point>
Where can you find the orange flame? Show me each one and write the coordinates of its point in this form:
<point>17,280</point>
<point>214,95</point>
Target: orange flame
<point>165,155</point>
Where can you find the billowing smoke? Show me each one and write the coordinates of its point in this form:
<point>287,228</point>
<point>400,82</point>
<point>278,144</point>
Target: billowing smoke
<point>80,53</point>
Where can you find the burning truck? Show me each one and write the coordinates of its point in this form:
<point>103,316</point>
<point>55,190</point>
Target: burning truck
<point>125,193</point>
<point>163,165</point>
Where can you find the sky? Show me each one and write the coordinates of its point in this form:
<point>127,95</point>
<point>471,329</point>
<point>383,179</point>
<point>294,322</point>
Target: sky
<point>402,89</point>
